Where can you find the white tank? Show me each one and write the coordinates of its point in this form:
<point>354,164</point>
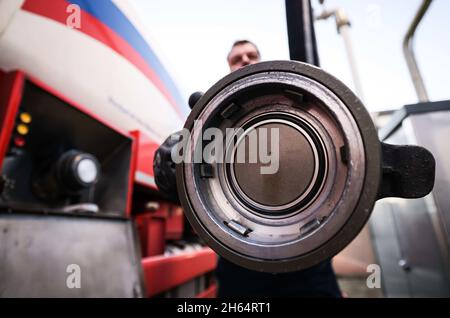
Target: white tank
<point>95,54</point>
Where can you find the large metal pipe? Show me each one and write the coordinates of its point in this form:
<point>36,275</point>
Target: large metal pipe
<point>343,27</point>
<point>408,51</point>
<point>280,165</point>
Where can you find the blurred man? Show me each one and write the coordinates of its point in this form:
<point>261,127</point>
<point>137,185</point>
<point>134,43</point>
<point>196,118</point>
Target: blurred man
<point>243,53</point>
<point>233,280</point>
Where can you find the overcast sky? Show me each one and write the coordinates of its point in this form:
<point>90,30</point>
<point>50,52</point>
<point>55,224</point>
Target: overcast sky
<point>194,36</point>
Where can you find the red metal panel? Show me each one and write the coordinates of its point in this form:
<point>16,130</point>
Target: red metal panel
<point>210,292</point>
<point>164,272</point>
<point>174,223</point>
<point>155,227</point>
<point>156,243</point>
<point>152,228</point>
<point>11,86</point>
<point>131,172</point>
<point>156,233</point>
<point>144,161</point>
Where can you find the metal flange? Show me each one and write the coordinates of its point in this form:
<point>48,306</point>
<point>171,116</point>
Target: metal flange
<point>325,150</point>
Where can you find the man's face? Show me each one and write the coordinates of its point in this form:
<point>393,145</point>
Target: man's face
<point>242,55</point>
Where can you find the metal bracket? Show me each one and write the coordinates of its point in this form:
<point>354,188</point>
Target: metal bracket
<point>407,171</point>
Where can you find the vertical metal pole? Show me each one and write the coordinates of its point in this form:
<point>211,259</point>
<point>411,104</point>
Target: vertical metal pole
<point>301,35</point>
<point>343,28</point>
<point>345,32</point>
<point>408,51</point>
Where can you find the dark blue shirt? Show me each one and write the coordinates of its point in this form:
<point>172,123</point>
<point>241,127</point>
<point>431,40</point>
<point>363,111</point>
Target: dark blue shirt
<point>236,281</point>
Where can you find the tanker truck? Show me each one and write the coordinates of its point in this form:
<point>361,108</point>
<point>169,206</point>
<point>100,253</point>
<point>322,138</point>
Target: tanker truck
<point>85,106</point>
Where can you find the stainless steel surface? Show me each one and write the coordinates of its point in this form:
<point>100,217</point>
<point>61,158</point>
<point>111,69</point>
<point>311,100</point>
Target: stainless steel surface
<point>417,127</point>
<point>407,250</point>
<point>411,237</point>
<point>36,251</point>
<point>408,51</point>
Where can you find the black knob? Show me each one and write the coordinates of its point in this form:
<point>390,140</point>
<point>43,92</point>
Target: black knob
<point>194,98</point>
